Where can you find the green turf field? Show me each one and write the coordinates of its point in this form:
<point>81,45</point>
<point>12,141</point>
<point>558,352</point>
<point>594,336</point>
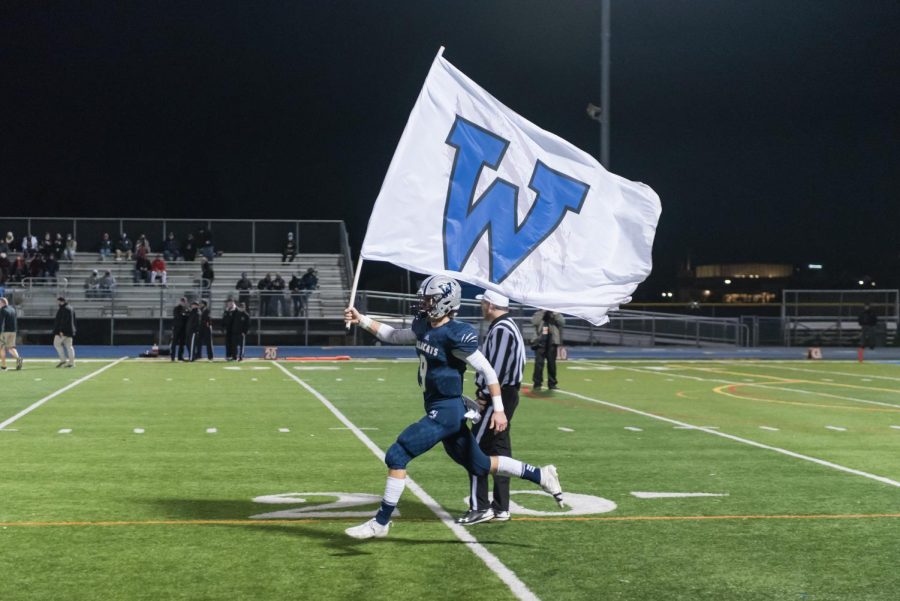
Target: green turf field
<point>152,480</point>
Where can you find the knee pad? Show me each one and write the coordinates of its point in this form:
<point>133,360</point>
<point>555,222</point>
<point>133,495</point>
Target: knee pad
<point>397,457</point>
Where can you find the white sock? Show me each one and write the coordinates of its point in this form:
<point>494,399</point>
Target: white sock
<point>393,489</point>
<point>507,466</point>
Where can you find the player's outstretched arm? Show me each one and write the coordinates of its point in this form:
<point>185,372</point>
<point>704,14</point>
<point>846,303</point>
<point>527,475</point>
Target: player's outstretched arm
<point>382,331</point>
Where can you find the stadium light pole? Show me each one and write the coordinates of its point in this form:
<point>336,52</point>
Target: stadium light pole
<point>600,114</point>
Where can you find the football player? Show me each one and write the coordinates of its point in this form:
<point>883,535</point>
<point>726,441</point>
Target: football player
<point>445,347</point>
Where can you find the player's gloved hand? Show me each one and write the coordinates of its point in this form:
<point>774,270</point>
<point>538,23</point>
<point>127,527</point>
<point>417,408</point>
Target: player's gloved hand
<point>473,410</point>
<point>351,315</point>
<point>499,422</point>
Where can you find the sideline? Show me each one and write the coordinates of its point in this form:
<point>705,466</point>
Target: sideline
<point>518,588</point>
<point>37,404</point>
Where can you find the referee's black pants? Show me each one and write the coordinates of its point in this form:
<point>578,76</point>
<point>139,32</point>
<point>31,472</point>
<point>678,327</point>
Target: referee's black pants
<point>494,443</point>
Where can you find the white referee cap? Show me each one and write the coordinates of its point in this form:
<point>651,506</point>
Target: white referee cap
<point>496,299</point>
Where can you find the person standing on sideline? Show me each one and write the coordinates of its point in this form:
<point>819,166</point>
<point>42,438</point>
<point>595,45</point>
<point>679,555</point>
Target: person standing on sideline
<point>505,351</point>
<point>869,323</point>
<point>243,320</point>
<point>547,338</point>
<point>445,347</point>
<point>179,329</point>
<point>63,333</point>
<point>232,330</point>
<point>192,332</point>
<point>8,329</point>
<point>205,337</point>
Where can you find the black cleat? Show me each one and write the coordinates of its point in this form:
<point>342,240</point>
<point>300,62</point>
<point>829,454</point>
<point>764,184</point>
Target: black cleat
<point>474,516</point>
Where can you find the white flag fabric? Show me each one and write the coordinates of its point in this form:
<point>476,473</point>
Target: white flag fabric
<point>479,193</point>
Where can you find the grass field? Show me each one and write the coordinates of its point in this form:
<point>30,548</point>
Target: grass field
<point>152,480</point>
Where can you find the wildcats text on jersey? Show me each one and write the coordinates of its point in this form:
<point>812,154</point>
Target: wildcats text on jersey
<point>427,348</point>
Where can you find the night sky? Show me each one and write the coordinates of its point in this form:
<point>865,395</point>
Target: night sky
<point>769,128</point>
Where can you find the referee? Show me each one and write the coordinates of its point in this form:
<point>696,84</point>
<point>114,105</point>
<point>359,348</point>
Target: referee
<point>505,350</point>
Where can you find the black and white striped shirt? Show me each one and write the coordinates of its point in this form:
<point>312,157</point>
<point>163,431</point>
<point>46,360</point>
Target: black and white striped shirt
<point>505,351</point>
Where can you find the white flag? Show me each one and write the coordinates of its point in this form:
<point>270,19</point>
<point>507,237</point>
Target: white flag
<point>476,192</point>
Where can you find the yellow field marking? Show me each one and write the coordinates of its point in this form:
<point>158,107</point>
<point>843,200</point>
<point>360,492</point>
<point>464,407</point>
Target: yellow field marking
<point>777,379</point>
<point>562,518</point>
<point>722,390</point>
<point>781,380</point>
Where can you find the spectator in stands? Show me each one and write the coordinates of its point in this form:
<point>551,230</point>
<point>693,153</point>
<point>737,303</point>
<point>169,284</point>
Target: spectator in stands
<point>207,273</point>
<point>45,246</point>
<point>309,282</point>
<point>18,271</point>
<point>158,270</point>
<point>141,271</point>
<point>142,247</point>
<point>289,252</point>
<point>5,267</point>
<point>71,248</point>
<point>296,288</point>
<point>51,266</point>
<point>190,248</point>
<point>106,247</point>
<point>171,248</point>
<point>310,279</point>
<point>5,244</point>
<point>265,287</point>
<point>36,266</point>
<point>203,236</point>
<point>243,286</point>
<point>208,250</point>
<point>92,285</point>
<point>124,248</point>
<point>107,284</point>
<point>29,246</point>
<point>279,301</point>
<point>59,245</point>
<point>868,320</point>
<point>10,242</point>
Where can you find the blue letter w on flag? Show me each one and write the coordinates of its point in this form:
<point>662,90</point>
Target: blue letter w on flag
<point>466,218</point>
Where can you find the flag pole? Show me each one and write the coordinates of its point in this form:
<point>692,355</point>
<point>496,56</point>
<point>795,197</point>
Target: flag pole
<point>352,303</point>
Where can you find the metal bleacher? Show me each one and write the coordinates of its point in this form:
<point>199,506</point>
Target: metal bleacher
<point>36,298</point>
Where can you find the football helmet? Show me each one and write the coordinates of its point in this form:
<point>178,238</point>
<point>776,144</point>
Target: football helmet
<point>439,295</point>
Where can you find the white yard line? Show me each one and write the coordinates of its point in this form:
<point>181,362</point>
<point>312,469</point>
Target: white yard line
<point>518,588</point>
<point>827,373</point>
<point>80,360</point>
<point>37,404</point>
<point>760,385</point>
<point>760,445</point>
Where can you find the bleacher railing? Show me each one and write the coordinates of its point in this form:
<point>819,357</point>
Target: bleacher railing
<point>230,235</point>
<point>625,328</point>
<point>829,317</point>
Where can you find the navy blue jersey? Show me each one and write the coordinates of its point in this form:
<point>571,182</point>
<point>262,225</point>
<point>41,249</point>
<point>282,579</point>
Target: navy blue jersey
<point>442,352</point>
